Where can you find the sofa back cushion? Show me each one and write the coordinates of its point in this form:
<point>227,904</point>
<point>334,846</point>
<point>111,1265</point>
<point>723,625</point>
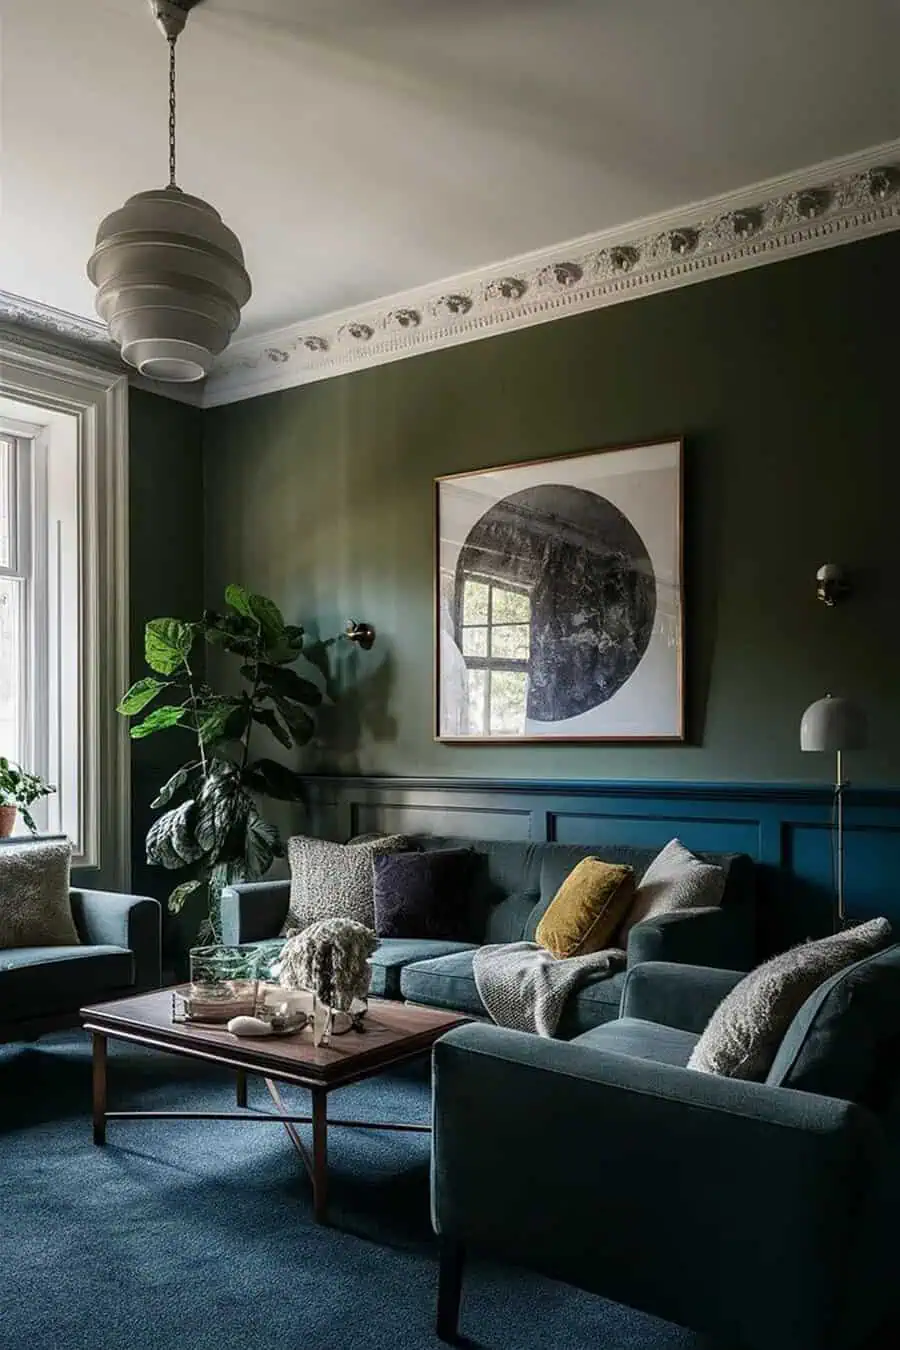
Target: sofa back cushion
<point>845,1040</point>
<point>514,882</point>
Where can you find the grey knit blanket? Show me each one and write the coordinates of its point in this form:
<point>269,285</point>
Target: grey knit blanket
<point>525,987</point>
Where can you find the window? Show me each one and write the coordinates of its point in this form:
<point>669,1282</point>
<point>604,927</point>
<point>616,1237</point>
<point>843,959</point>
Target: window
<point>63,597</point>
<point>495,638</point>
<point>12,608</point>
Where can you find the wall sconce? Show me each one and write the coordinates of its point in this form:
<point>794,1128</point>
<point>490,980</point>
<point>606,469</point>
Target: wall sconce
<point>363,634</point>
<point>831,584</point>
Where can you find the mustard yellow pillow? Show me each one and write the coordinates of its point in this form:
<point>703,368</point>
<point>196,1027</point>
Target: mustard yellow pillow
<point>587,909</point>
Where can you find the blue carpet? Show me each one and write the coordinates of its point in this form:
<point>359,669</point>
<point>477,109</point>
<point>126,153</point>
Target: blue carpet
<point>199,1235</point>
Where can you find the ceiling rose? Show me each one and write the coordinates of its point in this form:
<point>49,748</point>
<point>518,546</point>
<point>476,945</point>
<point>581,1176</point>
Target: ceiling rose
<point>169,272</point>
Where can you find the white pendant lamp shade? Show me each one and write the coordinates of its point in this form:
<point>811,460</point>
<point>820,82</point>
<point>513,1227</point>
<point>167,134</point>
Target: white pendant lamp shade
<point>171,283</point>
<point>169,273</point>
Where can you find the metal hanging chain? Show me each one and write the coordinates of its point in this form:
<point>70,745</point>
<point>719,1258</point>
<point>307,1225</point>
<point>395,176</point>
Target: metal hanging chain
<point>172,40</point>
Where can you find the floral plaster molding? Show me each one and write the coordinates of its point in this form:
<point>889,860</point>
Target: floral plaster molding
<point>829,204</point>
<point>833,203</point>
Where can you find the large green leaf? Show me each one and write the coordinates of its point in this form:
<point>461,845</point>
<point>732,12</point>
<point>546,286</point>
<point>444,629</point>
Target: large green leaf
<point>299,722</point>
<point>222,805</point>
<point>271,779</point>
<point>269,617</point>
<point>262,845</point>
<point>181,893</point>
<point>166,644</point>
<point>160,850</point>
<point>288,684</point>
<point>266,717</point>
<point>176,782</point>
<point>223,719</point>
<point>158,720</point>
<point>140,694</point>
<point>239,598</point>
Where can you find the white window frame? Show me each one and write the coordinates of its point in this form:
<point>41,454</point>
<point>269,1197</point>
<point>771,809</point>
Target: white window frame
<point>97,402</point>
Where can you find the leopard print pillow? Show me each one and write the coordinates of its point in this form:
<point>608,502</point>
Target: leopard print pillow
<point>334,881</point>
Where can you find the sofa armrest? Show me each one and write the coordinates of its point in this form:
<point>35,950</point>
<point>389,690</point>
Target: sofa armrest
<point>654,1186</point>
<point>721,937</point>
<point>676,995</point>
<point>133,921</point>
<point>254,911</point>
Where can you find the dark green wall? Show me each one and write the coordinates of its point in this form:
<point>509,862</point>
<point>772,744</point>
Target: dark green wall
<point>783,381</point>
<point>166,537</point>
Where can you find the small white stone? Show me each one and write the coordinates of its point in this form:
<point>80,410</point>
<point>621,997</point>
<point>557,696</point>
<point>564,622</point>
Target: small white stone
<point>249,1026</point>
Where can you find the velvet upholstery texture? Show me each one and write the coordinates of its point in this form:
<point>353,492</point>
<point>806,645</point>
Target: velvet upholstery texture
<point>424,895</point>
<point>587,909</point>
<point>845,1040</point>
<point>34,895</point>
<point>746,1030</point>
<point>787,1195</point>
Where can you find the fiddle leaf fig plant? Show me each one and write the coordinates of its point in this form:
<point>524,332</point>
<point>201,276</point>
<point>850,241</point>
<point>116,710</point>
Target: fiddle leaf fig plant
<point>217,826</point>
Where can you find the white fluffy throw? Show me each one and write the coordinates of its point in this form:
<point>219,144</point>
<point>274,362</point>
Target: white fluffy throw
<point>331,958</point>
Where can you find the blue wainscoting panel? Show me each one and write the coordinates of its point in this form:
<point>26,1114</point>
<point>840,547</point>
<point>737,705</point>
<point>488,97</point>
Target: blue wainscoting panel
<point>785,828</point>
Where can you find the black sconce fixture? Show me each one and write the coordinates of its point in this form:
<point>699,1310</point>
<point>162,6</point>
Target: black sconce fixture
<point>363,634</point>
<point>832,584</point>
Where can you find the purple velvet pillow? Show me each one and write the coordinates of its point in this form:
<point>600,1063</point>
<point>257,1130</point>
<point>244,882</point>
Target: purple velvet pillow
<point>424,895</point>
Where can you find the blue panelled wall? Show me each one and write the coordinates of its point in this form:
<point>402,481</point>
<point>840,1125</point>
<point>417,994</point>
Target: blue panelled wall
<point>786,829</point>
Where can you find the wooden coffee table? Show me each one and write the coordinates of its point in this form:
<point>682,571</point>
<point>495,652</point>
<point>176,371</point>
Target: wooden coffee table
<point>395,1033</point>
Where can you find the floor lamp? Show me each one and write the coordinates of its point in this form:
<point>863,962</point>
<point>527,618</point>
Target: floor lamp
<point>834,725</point>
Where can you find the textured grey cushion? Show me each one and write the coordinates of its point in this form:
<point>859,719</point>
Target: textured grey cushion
<point>333,881</point>
<point>675,880</point>
<point>35,910</point>
<point>744,1033</point>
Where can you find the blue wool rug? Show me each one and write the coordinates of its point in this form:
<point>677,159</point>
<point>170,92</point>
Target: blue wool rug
<point>193,1235</point>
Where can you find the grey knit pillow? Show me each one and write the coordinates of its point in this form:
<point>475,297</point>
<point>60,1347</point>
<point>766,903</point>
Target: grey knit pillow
<point>334,881</point>
<point>675,880</point>
<point>35,910</point>
<point>742,1037</point>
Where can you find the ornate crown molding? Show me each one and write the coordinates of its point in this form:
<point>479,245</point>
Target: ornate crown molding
<point>816,208</point>
<point>832,203</point>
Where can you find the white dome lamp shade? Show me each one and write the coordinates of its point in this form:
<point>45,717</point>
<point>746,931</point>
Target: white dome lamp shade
<point>169,272</point>
<point>834,725</point>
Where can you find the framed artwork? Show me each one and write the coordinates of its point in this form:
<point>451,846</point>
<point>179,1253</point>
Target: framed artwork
<point>559,599</point>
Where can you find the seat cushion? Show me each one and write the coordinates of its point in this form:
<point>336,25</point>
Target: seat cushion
<point>392,955</point>
<point>845,1040</point>
<point>642,1040</point>
<point>51,981</point>
<point>447,982</point>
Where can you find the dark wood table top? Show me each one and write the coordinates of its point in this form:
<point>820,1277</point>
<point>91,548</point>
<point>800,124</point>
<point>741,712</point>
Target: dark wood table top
<point>393,1032</point>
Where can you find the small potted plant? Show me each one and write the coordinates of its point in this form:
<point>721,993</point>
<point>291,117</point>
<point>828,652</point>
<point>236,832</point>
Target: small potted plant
<point>18,791</point>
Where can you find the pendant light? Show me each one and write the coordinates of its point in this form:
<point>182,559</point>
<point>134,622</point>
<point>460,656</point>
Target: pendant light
<point>169,273</point>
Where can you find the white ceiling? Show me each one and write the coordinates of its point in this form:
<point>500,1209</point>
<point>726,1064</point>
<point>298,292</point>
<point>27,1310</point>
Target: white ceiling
<point>364,147</point>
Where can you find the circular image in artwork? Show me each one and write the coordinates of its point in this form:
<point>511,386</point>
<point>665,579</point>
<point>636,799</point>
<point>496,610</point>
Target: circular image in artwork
<point>555,600</point>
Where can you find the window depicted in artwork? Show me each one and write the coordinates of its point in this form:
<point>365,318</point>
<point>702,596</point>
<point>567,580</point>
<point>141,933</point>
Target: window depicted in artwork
<point>495,640</point>
<point>559,599</point>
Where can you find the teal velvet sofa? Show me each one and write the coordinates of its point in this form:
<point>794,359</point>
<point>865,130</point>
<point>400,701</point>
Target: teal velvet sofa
<point>513,884</point>
<point>760,1214</point>
<point>42,988</point>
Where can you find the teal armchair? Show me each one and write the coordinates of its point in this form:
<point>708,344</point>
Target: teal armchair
<point>760,1214</point>
<point>42,988</point>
